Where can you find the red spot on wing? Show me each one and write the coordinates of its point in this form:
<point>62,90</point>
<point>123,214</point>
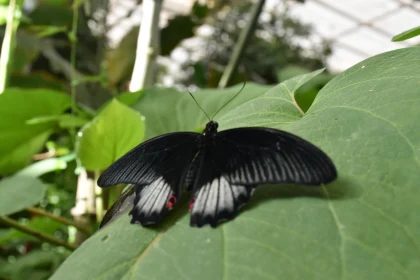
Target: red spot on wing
<point>192,203</point>
<point>171,202</point>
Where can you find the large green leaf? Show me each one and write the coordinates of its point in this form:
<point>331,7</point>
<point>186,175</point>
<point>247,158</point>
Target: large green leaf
<point>20,136</point>
<point>115,131</point>
<point>18,192</point>
<point>363,226</point>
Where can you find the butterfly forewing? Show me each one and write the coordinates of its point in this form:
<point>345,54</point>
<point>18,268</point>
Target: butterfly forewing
<point>157,167</point>
<point>164,155</point>
<point>264,155</point>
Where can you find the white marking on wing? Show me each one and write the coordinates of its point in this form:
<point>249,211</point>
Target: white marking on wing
<point>216,196</point>
<point>211,202</point>
<point>154,197</point>
<point>201,198</point>
<point>226,200</point>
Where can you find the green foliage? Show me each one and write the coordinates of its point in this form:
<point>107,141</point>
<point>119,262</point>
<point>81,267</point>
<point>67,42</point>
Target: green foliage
<point>18,192</point>
<point>119,129</point>
<point>20,135</point>
<point>362,226</point>
<point>411,33</point>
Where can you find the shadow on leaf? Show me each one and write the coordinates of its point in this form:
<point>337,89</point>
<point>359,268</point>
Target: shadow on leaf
<point>341,189</point>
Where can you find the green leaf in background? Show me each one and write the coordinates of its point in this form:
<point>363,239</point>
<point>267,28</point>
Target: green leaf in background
<point>19,139</point>
<point>18,192</point>
<point>363,226</point>
<point>407,34</point>
<point>168,110</point>
<point>115,131</point>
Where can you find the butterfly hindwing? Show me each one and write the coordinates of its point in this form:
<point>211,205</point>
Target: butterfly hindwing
<point>157,167</point>
<point>122,205</point>
<point>154,201</point>
<point>214,199</point>
<point>218,201</point>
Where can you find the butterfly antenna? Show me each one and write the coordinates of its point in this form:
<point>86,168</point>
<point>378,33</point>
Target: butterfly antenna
<point>199,106</point>
<point>220,109</point>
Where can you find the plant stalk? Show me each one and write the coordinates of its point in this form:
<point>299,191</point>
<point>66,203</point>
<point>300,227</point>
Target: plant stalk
<point>147,46</point>
<point>42,236</point>
<point>73,40</point>
<point>9,41</point>
<point>240,46</point>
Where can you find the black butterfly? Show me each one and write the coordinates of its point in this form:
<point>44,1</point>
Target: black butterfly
<point>221,169</point>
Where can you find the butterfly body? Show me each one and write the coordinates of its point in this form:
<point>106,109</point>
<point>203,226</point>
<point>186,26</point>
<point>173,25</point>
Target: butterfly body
<point>220,169</point>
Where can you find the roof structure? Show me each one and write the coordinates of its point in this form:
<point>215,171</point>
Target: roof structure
<point>358,29</point>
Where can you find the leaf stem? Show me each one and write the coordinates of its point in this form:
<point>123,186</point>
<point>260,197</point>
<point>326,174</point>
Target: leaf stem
<point>42,236</point>
<point>240,46</point>
<point>59,219</point>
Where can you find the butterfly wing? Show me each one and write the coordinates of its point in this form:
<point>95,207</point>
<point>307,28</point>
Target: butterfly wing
<point>123,204</point>
<point>243,158</point>
<point>214,198</point>
<point>157,167</point>
<point>265,155</point>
